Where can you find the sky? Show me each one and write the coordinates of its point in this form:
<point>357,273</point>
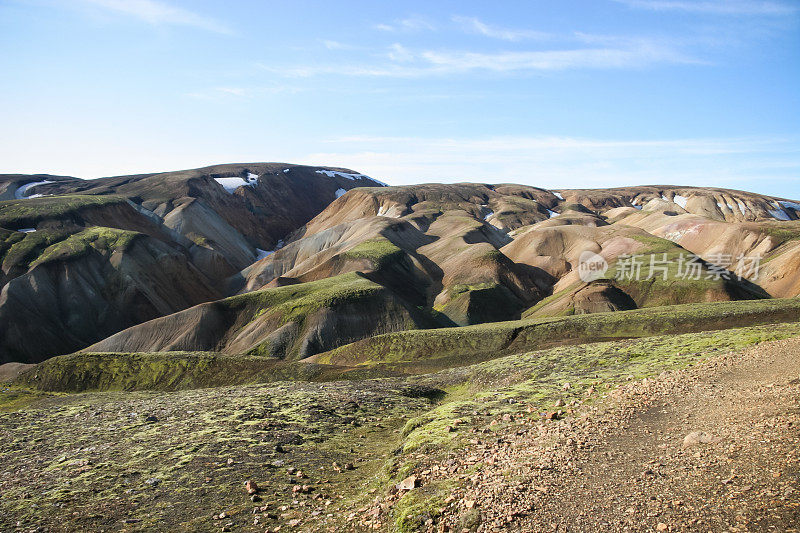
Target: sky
<point>556,94</point>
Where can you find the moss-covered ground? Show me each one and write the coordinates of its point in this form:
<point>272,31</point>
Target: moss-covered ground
<point>15,214</point>
<point>175,460</point>
<point>487,341</point>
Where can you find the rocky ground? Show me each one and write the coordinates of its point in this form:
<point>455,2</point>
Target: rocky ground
<point>715,447</point>
<point>565,439</point>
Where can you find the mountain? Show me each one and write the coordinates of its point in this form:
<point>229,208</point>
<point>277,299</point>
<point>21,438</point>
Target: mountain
<point>83,259</point>
<point>231,256</point>
<point>475,253</point>
<point>356,356</point>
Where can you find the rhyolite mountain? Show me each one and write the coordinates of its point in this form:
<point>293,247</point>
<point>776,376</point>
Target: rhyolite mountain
<point>83,259</point>
<point>291,261</point>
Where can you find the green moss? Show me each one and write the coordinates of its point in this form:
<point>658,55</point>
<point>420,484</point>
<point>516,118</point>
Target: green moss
<point>169,371</point>
<point>455,290</point>
<point>27,247</point>
<point>491,340</point>
<point>295,302</point>
<point>28,212</point>
<point>94,238</point>
<point>380,252</point>
<point>417,506</point>
<point>782,231</point>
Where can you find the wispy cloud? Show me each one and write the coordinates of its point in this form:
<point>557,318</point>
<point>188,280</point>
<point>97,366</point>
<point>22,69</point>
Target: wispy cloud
<point>716,7</point>
<point>475,25</point>
<point>592,58</point>
<point>241,93</point>
<point>410,24</point>
<point>551,161</point>
<point>408,63</point>
<point>160,13</point>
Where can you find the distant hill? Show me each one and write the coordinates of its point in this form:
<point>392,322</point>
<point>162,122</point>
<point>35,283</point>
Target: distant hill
<point>85,259</point>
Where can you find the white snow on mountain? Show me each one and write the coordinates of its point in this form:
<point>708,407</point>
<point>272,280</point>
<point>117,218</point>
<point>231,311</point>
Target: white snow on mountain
<point>346,175</point>
<point>233,183</point>
<point>20,194</point>
<point>680,200</point>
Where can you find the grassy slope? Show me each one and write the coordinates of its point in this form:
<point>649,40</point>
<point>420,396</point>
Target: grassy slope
<point>394,354</point>
<point>485,341</point>
<point>660,289</point>
<point>168,371</point>
<point>26,213</point>
<point>298,300</point>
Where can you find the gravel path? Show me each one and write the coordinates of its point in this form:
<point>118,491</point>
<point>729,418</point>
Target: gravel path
<point>626,464</point>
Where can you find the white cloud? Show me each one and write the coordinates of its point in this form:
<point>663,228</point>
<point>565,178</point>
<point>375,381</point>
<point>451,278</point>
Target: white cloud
<point>475,25</point>
<point>407,63</point>
<point>410,24</point>
<point>555,59</point>
<point>160,13</point>
<point>400,53</point>
<point>566,161</point>
<point>717,7</point>
<point>338,45</point>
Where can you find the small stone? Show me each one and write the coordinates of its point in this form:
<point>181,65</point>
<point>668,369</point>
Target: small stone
<point>469,504</point>
<point>151,418</point>
<point>661,526</point>
<point>559,403</point>
<point>566,386</point>
<point>230,461</point>
<point>251,486</point>
<point>698,437</point>
<point>408,483</point>
<point>255,498</point>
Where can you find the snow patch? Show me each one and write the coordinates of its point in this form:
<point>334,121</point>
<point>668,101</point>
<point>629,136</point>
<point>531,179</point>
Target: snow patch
<point>27,230</point>
<point>558,195</point>
<point>285,170</point>
<point>339,192</point>
<point>742,208</point>
<point>779,214</point>
<point>552,213</point>
<point>346,175</point>
<point>262,254</point>
<point>20,194</point>
<point>637,207</point>
<point>791,205</point>
<point>489,214</point>
<point>680,200</point>
<point>233,183</point>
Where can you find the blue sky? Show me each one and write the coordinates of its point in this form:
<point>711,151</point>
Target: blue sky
<point>561,93</point>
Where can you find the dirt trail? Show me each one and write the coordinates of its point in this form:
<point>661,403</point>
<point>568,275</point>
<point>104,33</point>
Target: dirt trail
<point>623,466</point>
